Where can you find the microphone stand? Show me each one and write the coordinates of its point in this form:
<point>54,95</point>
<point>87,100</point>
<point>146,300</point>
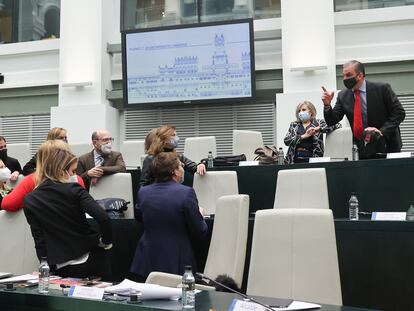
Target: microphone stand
<point>234,291</point>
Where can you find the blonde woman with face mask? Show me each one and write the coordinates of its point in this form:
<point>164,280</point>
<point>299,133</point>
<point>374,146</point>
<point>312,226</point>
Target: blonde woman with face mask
<point>304,137</point>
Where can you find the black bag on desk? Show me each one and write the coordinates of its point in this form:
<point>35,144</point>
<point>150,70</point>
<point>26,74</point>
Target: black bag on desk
<point>114,207</point>
<point>232,160</point>
<point>372,145</point>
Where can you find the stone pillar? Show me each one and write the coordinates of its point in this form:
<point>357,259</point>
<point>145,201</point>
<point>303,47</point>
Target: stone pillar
<point>308,58</point>
<point>85,68</point>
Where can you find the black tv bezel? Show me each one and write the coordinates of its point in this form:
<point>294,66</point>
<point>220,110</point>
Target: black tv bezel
<point>195,101</point>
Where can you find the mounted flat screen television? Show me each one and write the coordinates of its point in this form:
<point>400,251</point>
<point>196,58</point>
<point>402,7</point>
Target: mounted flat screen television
<point>201,63</point>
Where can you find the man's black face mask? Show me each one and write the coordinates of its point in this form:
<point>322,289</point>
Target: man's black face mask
<point>3,154</point>
<point>350,82</point>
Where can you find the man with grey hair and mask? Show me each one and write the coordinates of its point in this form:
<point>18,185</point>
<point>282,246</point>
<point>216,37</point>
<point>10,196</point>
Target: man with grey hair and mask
<point>102,160</point>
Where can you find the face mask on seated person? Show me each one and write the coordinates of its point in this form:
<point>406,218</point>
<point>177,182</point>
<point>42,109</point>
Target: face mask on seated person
<point>304,116</point>
<point>3,154</point>
<point>73,179</point>
<point>174,142</point>
<point>4,174</point>
<point>106,149</point>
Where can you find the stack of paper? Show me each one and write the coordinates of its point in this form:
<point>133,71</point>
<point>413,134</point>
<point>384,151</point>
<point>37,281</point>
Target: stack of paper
<point>148,291</point>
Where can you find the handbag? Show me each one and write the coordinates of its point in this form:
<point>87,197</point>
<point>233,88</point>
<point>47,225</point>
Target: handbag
<point>114,207</point>
<point>232,160</point>
<point>267,155</point>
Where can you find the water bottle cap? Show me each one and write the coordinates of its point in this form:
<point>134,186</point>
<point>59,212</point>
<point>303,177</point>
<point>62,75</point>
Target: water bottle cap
<point>188,268</point>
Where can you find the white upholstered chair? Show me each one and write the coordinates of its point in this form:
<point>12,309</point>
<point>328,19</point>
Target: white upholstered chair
<point>231,221</point>
<point>338,144</point>
<point>20,151</point>
<point>132,150</point>
<point>80,149</point>
<point>18,254</point>
<point>301,188</point>
<point>117,185</point>
<point>197,148</point>
<point>294,256</point>
<point>213,185</point>
<point>246,142</point>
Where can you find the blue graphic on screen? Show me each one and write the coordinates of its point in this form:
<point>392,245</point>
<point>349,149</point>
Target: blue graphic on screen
<point>183,64</point>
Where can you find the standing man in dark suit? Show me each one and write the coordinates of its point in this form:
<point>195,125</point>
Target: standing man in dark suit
<point>101,160</point>
<point>370,106</point>
<point>172,220</point>
<point>11,163</point>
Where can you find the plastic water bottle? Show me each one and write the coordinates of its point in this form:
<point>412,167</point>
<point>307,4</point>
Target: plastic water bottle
<point>210,160</point>
<point>188,288</point>
<point>355,155</point>
<point>44,271</point>
<point>280,157</point>
<point>353,207</point>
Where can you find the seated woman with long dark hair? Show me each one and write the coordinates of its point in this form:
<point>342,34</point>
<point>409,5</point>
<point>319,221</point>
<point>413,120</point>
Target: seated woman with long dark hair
<point>55,211</point>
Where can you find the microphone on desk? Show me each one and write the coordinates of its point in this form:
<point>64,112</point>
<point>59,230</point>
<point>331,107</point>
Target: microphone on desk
<point>202,276</point>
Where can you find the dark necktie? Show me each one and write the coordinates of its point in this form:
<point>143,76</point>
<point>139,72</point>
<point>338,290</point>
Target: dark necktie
<point>358,127</point>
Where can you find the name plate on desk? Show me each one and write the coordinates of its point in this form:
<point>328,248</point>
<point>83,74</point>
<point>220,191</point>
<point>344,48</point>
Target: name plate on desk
<point>399,155</point>
<point>86,292</point>
<point>241,305</point>
<point>319,159</point>
<point>388,216</point>
<point>248,163</point>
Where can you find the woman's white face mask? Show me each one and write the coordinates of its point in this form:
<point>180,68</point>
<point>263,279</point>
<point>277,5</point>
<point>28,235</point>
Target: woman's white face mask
<point>73,179</point>
<point>4,174</point>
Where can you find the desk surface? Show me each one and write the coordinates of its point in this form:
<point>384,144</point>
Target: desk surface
<point>30,300</point>
<point>381,185</point>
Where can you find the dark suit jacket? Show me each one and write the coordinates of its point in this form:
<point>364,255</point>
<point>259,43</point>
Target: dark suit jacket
<point>56,215</point>
<point>384,111</point>
<point>30,167</point>
<point>113,163</point>
<point>171,222</point>
<point>13,164</point>
<point>146,175</point>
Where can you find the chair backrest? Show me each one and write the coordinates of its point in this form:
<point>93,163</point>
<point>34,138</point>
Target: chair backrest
<point>246,142</point>
<point>301,188</point>
<point>213,185</point>
<point>13,184</point>
<point>171,280</point>
<point>80,149</point>
<point>294,256</point>
<point>132,150</point>
<point>117,185</point>
<point>230,221</point>
<point>18,254</point>
<point>197,148</point>
<point>339,144</point>
<point>20,151</point>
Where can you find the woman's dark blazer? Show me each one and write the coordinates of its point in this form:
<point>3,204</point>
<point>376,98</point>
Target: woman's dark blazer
<point>56,215</point>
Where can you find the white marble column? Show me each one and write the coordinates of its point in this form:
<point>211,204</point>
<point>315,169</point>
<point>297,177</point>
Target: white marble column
<point>308,57</point>
<point>85,68</point>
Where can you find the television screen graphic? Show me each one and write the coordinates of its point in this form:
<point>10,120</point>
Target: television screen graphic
<point>200,63</point>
